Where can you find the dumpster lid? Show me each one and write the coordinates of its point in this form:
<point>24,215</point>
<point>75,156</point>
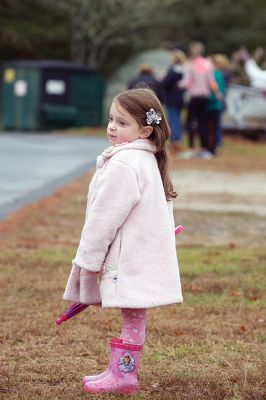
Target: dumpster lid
<point>48,64</point>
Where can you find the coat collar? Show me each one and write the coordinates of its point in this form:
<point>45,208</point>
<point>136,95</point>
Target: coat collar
<point>139,144</point>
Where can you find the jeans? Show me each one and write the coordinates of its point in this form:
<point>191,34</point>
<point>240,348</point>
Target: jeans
<point>174,123</point>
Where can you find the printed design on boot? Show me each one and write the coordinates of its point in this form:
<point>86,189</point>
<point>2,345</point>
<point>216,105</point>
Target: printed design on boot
<point>126,363</point>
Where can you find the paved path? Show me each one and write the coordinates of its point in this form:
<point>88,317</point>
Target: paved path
<point>34,165</point>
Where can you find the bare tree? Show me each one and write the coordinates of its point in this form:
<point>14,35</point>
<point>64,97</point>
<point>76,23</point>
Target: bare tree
<point>97,26</point>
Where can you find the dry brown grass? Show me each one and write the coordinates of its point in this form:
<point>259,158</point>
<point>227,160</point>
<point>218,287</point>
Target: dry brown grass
<point>211,347</point>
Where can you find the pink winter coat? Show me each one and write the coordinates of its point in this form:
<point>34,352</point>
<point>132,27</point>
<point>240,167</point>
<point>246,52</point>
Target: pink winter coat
<point>128,236</point>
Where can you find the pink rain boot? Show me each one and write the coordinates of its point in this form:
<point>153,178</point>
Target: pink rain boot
<point>91,378</point>
<point>122,377</point>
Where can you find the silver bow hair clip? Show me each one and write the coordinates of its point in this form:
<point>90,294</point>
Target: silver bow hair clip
<point>153,117</point>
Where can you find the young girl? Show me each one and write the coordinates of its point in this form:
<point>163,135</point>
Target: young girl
<point>126,257</point>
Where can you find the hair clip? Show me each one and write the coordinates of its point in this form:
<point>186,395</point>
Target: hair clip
<point>153,117</point>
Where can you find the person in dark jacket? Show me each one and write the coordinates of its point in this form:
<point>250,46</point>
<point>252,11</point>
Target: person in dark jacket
<point>146,79</point>
<point>174,97</point>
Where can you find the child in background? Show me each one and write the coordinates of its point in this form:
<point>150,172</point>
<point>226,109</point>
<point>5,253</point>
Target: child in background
<point>126,257</point>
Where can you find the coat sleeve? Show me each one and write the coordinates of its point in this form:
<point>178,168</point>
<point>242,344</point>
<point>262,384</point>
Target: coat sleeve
<point>117,193</point>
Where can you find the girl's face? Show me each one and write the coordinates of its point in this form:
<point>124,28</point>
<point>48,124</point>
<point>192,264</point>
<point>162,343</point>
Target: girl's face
<point>122,127</point>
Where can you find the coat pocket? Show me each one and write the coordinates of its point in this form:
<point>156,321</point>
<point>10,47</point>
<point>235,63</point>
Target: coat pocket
<point>112,258</point>
<point>110,272</point>
<point>108,281</point>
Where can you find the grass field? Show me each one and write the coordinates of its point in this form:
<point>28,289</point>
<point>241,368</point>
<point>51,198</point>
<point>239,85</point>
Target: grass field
<point>211,347</point>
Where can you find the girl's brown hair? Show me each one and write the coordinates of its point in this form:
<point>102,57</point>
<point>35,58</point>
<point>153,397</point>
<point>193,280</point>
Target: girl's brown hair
<point>137,102</point>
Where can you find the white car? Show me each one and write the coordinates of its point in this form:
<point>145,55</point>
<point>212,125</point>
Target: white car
<point>245,110</point>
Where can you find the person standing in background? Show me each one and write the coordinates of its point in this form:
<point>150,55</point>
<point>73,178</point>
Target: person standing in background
<point>198,81</point>
<point>215,107</point>
<point>256,75</point>
<point>174,97</point>
<point>146,79</point>
<point>223,64</point>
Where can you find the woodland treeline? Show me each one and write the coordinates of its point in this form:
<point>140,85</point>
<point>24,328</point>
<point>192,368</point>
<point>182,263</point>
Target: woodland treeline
<point>104,33</point>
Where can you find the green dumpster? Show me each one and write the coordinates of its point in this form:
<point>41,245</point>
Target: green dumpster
<point>43,95</point>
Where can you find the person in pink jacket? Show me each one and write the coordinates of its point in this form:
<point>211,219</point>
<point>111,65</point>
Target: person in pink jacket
<point>199,82</point>
<point>126,257</point>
